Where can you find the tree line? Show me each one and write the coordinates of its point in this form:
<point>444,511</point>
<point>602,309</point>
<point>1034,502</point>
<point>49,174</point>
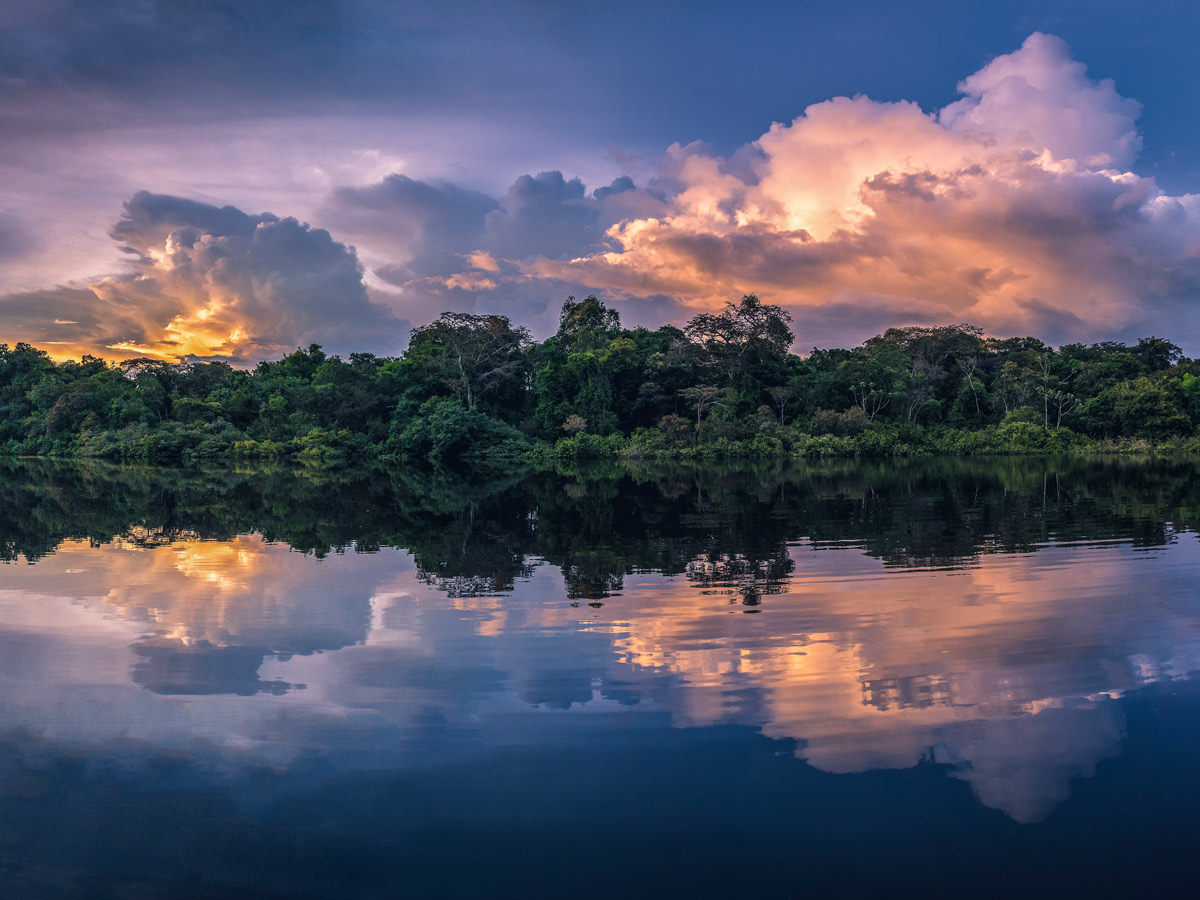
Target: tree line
<point>476,391</point>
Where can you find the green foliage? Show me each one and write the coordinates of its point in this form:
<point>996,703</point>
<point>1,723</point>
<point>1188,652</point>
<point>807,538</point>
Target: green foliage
<point>851,421</point>
<point>445,433</point>
<point>479,358</point>
<point>474,391</point>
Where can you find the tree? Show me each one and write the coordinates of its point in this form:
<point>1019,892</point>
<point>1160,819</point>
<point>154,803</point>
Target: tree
<point>872,374</point>
<point>1144,406</point>
<point>969,365</point>
<point>704,397</point>
<point>935,345</point>
<point>578,371</point>
<point>157,382</point>
<point>1062,402</point>
<point>783,395</point>
<point>675,429</point>
<point>1013,385</point>
<point>475,355</point>
<point>743,338</point>
<point>587,321</point>
<point>1156,353</point>
<point>932,354</point>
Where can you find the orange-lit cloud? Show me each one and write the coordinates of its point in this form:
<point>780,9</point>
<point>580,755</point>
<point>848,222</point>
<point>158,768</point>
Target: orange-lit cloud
<point>1004,670</point>
<point>211,282</point>
<point>1016,207</point>
<point>1011,208</point>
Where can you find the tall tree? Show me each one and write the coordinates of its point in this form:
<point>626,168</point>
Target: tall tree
<point>586,321</point>
<point>475,355</point>
<point>744,338</point>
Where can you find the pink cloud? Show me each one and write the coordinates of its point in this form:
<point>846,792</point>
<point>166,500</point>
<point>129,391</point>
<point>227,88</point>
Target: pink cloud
<point>1007,208</point>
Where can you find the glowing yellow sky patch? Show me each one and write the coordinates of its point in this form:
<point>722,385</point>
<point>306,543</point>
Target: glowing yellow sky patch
<point>211,330</point>
<point>127,349</point>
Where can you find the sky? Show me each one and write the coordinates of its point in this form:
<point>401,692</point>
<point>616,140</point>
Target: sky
<point>232,180</point>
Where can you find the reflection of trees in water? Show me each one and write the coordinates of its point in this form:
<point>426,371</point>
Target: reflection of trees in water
<point>482,585</point>
<point>741,576</point>
<point>482,549</point>
<point>143,538</point>
<point>726,527</point>
<point>592,576</point>
<point>907,692</point>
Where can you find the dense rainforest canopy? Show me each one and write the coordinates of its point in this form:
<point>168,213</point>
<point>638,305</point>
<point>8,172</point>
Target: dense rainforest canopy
<point>475,390</point>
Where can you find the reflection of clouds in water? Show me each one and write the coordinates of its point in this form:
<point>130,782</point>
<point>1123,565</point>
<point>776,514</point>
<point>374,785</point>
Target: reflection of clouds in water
<point>873,668</point>
<point>1005,670</point>
<point>1023,765</point>
<point>168,666</point>
<point>245,592</point>
<point>217,609</point>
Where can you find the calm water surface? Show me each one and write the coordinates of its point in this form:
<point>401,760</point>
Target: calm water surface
<point>967,678</point>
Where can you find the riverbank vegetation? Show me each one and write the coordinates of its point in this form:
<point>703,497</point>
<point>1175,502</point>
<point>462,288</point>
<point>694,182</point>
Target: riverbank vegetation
<point>475,391</point>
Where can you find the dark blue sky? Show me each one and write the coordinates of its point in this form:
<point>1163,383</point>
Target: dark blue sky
<point>719,73</point>
<point>642,73</point>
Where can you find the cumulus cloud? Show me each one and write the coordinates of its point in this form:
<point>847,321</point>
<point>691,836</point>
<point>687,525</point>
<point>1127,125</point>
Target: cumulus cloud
<point>1038,97</point>
<point>212,282</point>
<point>545,213</point>
<point>1015,208</point>
<point>421,226</point>
<point>446,247</point>
<point>1008,208</point>
<point>1012,208</point>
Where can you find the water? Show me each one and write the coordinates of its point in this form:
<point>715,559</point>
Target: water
<point>851,679</point>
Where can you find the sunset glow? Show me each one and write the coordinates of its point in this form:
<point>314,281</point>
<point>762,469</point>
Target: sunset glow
<point>475,448</point>
<point>1025,206</point>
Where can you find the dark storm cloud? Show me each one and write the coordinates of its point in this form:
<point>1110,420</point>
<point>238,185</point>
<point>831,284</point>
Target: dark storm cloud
<point>543,215</point>
<point>446,247</point>
<point>429,227</point>
<point>619,185</point>
<point>427,224</point>
<point>213,281</point>
<point>150,218</point>
<point>181,59</point>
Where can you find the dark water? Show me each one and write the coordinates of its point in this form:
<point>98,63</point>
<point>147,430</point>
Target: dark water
<point>939,678</point>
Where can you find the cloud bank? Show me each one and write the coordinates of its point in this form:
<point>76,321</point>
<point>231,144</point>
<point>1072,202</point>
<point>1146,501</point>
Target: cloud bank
<point>212,282</point>
<point>1015,208</point>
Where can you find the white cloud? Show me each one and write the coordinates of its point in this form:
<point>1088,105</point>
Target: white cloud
<point>1004,210</point>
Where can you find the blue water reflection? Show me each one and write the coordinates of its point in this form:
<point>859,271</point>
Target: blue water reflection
<point>189,716</point>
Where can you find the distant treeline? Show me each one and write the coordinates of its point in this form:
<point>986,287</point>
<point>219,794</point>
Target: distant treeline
<point>476,391</point>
